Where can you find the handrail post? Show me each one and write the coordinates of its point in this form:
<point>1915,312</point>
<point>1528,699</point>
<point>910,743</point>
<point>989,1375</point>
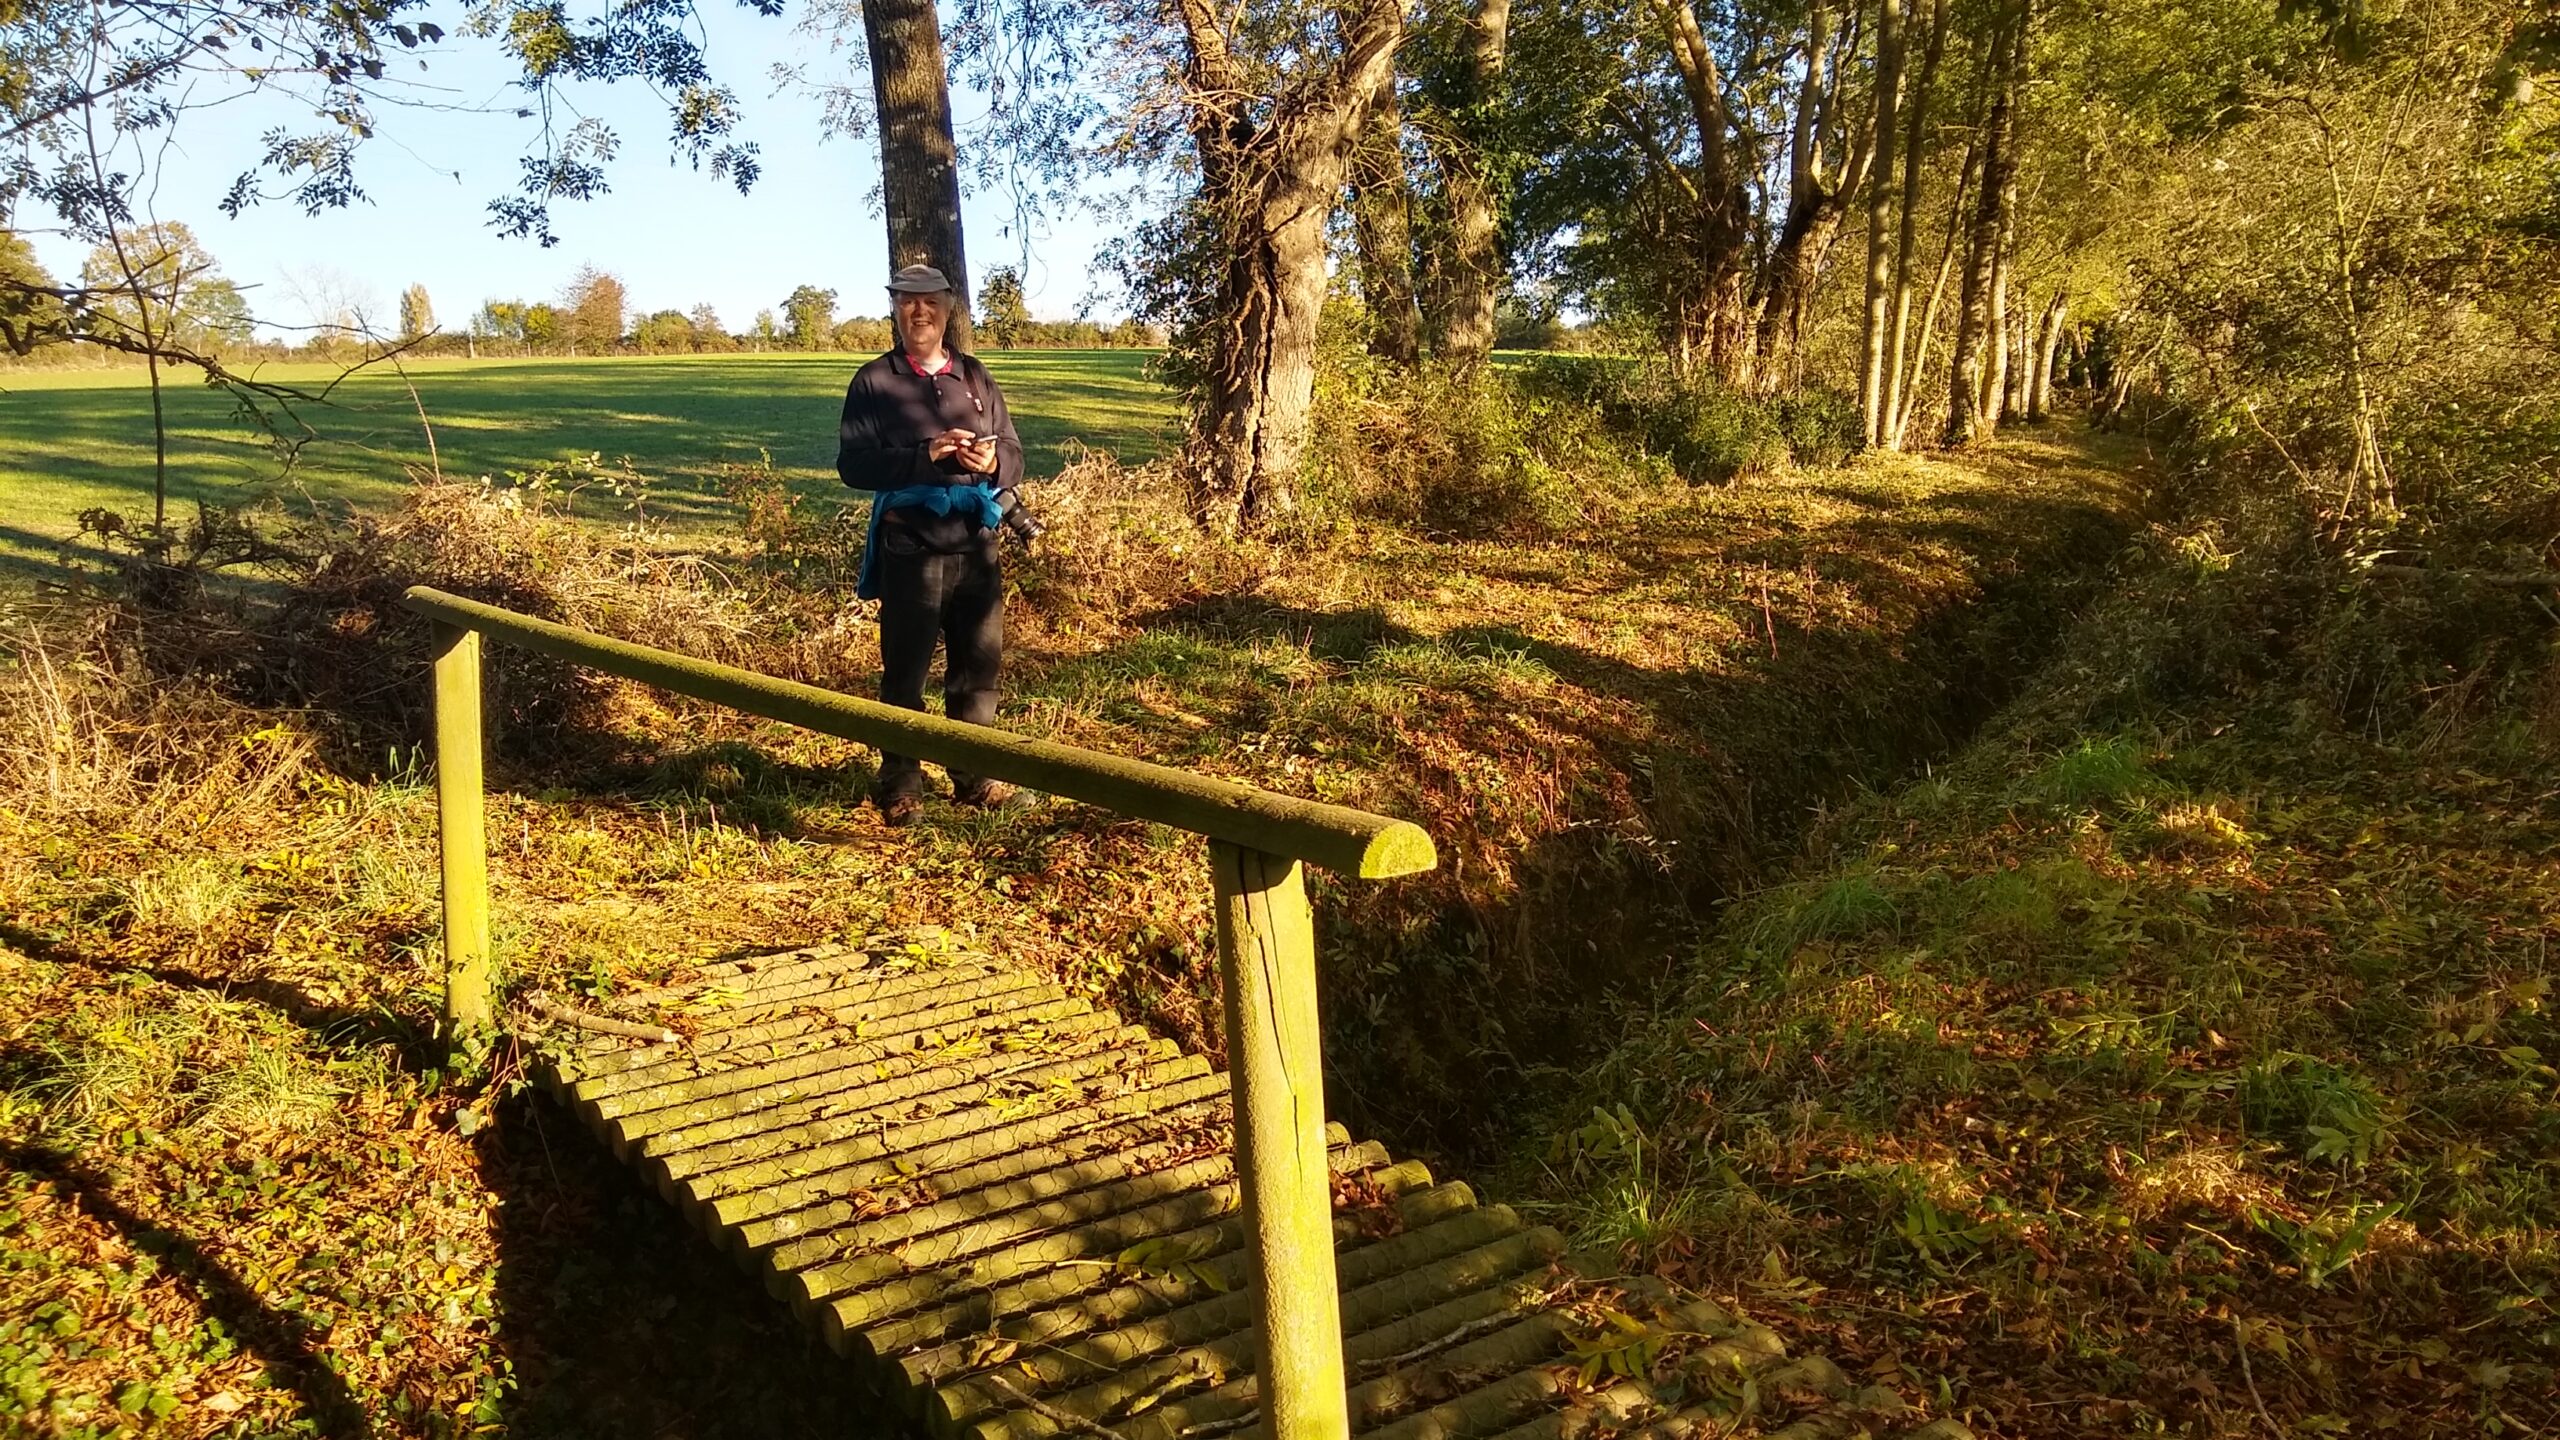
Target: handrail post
<point>1266,965</point>
<point>462,839</point>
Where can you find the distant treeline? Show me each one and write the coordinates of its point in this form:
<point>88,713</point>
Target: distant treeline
<point>668,333</point>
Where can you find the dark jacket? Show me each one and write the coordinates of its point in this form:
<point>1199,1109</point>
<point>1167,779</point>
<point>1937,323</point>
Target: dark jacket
<point>890,412</point>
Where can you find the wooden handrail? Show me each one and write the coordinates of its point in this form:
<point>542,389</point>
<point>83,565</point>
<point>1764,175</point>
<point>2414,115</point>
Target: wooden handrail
<point>1353,842</point>
<point>1259,844</point>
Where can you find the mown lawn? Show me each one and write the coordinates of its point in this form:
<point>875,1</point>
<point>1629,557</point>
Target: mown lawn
<point>70,440</point>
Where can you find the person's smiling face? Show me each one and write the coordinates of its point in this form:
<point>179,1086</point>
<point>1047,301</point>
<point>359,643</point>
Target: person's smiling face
<point>921,318</point>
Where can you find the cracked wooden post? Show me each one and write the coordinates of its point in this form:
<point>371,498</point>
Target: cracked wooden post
<point>462,839</point>
<point>1266,964</point>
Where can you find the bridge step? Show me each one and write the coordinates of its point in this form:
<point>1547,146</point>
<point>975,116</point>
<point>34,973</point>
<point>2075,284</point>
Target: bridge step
<point>1019,1218</point>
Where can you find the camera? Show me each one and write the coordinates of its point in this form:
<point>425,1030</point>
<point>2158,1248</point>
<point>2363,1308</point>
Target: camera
<point>1017,520</point>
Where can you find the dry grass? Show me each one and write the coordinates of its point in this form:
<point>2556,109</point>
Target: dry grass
<point>1603,725</point>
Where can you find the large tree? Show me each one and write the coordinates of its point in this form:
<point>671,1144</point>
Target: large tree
<point>1274,99</point>
<point>417,314</point>
<point>1007,314</point>
<point>810,315</point>
<point>1694,162</point>
<point>596,303</point>
<point>151,283</point>
<point>919,158</point>
<point>1465,126</point>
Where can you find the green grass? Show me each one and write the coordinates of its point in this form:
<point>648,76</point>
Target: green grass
<point>1600,730</point>
<point>2178,1059</point>
<point>71,440</point>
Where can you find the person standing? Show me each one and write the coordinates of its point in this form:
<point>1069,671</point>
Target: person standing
<point>926,431</point>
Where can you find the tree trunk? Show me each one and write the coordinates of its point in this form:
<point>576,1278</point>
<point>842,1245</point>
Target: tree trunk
<point>1382,220</point>
<point>1949,250</point>
<point>1927,337</point>
<point>1902,378</point>
<point>1811,212</point>
<point>1817,199</point>
<point>1795,265</point>
<point>1977,335</point>
<point>1251,430</point>
<point>2048,351</point>
<point>2016,372</point>
<point>1999,371</point>
<point>1269,188</point>
<point>1717,316</point>
<point>1472,278</point>
<point>1875,402</point>
<point>919,160</point>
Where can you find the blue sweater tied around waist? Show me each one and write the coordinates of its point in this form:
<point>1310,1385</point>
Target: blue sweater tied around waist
<point>963,500</point>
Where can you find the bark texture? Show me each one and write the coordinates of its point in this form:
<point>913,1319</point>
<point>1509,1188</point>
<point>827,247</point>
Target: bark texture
<point>1268,185</point>
<point>1382,222</point>
<point>1472,277</point>
<point>919,159</point>
<point>1978,337</point>
<point>1875,402</point>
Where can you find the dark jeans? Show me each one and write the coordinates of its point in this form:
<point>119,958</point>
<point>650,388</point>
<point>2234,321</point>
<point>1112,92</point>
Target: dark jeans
<point>958,600</point>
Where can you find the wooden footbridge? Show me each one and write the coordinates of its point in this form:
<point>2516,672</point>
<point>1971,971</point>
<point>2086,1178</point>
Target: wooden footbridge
<point>1019,1218</point>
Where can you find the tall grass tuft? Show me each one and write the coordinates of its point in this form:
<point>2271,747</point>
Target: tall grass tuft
<point>226,1067</point>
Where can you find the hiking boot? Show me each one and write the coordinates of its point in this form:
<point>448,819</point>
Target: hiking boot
<point>901,809</point>
<point>990,795</point>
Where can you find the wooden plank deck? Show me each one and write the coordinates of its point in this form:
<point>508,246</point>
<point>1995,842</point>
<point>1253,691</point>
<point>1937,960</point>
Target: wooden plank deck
<point>1017,1217</point>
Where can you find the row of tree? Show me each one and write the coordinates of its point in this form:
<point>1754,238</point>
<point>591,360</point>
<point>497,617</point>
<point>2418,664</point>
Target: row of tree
<point>589,319</point>
<point>1929,203</point>
<point>157,287</point>
<point>146,287</point>
<point>1909,200</point>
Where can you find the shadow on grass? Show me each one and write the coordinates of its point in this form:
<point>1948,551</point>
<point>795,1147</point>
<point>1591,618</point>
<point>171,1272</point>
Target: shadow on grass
<point>613,1319</point>
<point>1721,769</point>
<point>619,1322</point>
<point>281,1340</point>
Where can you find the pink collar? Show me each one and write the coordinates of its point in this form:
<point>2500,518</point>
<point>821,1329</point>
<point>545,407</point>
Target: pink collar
<point>943,369</point>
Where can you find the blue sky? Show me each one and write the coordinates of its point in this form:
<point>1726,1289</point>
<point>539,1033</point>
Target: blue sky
<point>675,236</point>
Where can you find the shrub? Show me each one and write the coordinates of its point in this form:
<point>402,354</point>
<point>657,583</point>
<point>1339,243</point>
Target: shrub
<point>1820,425</point>
<point>1708,432</point>
<point>330,635</point>
<point>1473,455</point>
<point>1117,539</point>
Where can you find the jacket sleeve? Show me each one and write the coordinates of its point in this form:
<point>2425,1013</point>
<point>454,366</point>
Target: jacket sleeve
<point>864,460</point>
<point>1008,444</point>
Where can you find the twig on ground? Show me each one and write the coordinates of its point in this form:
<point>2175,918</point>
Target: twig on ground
<point>553,1010</point>
<point>1063,1419</point>
<point>1437,1344</point>
<point>2518,580</point>
<point>2240,1338</point>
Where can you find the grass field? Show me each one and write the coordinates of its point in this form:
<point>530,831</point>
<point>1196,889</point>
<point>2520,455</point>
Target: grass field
<point>70,440</point>
<point>215,1130</point>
